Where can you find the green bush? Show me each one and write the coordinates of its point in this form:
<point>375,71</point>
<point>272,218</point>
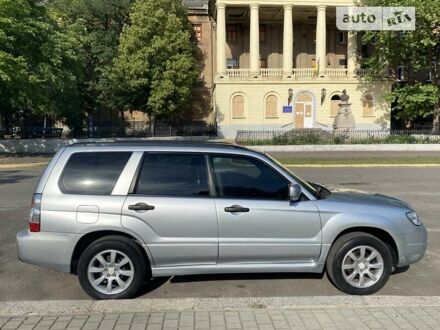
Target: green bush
<point>319,138</point>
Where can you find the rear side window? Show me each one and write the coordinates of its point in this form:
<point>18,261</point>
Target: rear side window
<point>182,175</point>
<point>93,173</point>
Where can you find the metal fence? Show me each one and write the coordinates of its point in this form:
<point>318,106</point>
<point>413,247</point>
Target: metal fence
<point>127,129</point>
<point>160,129</point>
<point>319,136</point>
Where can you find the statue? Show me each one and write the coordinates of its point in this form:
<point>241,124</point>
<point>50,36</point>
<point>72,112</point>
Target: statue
<point>344,119</point>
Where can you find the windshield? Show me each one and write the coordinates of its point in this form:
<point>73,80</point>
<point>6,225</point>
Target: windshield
<point>307,186</point>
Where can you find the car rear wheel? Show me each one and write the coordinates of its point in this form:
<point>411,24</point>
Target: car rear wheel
<point>359,264</point>
<point>112,268</point>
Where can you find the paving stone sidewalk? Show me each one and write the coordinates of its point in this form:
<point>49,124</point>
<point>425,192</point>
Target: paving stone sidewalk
<point>301,318</point>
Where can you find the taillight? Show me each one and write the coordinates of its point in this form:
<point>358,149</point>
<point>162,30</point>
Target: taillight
<point>35,217</point>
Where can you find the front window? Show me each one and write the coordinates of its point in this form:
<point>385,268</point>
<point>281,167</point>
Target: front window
<point>245,177</point>
<point>305,185</point>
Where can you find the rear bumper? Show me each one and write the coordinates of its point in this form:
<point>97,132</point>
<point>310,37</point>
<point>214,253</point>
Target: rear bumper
<point>50,250</point>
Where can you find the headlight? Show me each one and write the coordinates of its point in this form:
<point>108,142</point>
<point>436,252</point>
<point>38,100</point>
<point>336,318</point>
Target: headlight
<point>414,218</point>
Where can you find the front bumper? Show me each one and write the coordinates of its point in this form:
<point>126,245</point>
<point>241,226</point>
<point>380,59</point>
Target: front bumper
<point>50,250</point>
<point>415,247</point>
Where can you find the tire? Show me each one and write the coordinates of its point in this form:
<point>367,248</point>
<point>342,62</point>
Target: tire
<point>127,273</point>
<point>374,278</point>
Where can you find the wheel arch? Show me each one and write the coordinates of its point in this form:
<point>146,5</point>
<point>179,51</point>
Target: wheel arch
<point>379,233</point>
<point>91,237</point>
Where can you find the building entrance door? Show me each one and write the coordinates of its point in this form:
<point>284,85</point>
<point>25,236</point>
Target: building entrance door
<point>299,115</point>
<point>304,111</point>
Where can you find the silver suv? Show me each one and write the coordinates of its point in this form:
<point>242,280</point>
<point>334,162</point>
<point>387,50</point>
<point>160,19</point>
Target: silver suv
<point>117,214</point>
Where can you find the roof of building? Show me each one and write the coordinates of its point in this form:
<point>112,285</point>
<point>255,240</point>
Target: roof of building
<point>197,6</point>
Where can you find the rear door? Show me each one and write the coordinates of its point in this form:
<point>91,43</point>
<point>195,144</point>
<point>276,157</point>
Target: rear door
<point>257,222</point>
<point>171,207</point>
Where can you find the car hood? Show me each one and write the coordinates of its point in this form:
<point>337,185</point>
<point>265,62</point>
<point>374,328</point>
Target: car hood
<point>365,198</point>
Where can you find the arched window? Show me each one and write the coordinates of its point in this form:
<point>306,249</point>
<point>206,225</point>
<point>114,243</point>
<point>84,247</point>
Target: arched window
<point>368,109</point>
<point>271,106</point>
<point>238,106</point>
<point>334,105</point>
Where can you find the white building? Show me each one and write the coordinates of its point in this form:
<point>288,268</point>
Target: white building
<point>282,64</point>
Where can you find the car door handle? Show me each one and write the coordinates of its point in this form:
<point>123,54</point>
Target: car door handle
<point>141,207</point>
<point>236,209</point>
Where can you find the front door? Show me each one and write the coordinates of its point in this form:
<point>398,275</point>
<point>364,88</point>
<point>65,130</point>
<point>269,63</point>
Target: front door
<point>299,115</point>
<point>304,111</point>
<point>257,222</point>
<point>171,208</point>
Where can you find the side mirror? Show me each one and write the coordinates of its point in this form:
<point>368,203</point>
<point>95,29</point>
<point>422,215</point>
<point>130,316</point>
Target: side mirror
<point>295,192</point>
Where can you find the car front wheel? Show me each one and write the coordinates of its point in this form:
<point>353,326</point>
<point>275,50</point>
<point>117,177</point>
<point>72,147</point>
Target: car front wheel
<point>112,268</point>
<point>359,264</point>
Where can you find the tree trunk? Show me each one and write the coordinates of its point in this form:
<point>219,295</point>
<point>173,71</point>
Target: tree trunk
<point>436,120</point>
<point>121,123</point>
<point>152,125</point>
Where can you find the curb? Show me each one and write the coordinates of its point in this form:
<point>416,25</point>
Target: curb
<point>362,165</point>
<point>350,148</point>
<point>75,307</point>
<point>22,165</point>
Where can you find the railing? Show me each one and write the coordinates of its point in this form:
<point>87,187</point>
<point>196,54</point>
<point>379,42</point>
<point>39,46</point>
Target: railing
<point>304,73</point>
<point>238,73</point>
<point>336,73</point>
<point>301,74</point>
<point>271,73</point>
<point>362,73</point>
<point>319,136</point>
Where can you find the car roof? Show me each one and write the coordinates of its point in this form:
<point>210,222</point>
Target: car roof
<point>161,145</point>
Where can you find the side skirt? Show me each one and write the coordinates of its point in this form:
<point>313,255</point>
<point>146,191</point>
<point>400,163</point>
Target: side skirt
<point>238,268</point>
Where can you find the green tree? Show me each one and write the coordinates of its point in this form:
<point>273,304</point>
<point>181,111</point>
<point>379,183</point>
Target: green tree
<point>417,50</point>
<point>37,61</point>
<point>156,67</point>
<point>97,26</point>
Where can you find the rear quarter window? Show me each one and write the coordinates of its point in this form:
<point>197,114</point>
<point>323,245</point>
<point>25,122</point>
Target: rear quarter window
<point>88,173</point>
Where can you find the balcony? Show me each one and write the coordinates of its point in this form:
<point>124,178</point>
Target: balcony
<point>300,74</point>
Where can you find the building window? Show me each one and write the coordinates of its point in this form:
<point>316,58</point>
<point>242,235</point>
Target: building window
<point>263,63</point>
<point>368,108</point>
<point>233,63</point>
<point>271,106</point>
<point>238,106</point>
<point>263,32</point>
<point>342,38</point>
<point>232,33</point>
<point>334,105</point>
<point>198,32</point>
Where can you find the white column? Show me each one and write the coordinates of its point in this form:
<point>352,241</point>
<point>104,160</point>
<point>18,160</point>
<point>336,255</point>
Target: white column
<point>352,53</point>
<point>288,41</point>
<point>221,39</point>
<point>321,40</point>
<point>255,41</point>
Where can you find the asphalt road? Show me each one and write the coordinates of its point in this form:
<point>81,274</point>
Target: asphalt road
<point>419,186</point>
